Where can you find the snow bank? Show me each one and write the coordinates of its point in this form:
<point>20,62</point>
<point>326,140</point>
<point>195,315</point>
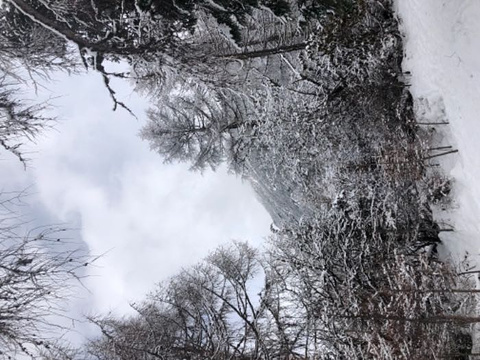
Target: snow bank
<point>442,52</point>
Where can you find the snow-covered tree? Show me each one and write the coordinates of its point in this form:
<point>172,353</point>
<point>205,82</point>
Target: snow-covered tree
<point>194,124</point>
<point>207,311</point>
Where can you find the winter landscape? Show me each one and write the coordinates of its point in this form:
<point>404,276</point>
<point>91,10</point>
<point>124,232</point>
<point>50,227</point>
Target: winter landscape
<point>278,179</point>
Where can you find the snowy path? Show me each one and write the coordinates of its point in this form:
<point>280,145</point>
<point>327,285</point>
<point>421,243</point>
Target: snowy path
<point>442,51</point>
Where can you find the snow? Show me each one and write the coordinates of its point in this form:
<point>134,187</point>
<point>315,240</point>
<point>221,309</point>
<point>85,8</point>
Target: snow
<point>442,52</point>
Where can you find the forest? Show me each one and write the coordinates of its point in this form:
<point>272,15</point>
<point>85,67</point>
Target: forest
<point>306,100</point>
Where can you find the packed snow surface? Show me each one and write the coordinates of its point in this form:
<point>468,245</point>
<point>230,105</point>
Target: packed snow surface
<point>442,52</point>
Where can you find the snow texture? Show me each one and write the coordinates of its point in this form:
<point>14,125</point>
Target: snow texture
<point>442,52</point>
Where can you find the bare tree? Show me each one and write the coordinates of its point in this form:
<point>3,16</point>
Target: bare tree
<point>19,122</point>
<point>37,270</point>
<point>29,54</point>
<point>211,310</point>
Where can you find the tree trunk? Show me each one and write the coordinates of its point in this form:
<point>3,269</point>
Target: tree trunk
<point>265,52</point>
<point>64,32</point>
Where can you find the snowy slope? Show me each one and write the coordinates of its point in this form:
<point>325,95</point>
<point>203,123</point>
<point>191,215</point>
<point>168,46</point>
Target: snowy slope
<point>442,52</point>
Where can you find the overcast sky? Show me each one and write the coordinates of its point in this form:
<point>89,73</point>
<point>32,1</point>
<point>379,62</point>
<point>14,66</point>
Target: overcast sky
<point>93,172</point>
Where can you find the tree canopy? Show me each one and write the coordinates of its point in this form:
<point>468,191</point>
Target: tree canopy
<point>307,100</point>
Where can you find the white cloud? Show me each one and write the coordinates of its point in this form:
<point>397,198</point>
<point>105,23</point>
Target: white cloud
<point>150,218</point>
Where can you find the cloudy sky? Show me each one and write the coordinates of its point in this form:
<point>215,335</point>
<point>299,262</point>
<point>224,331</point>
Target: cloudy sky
<point>94,173</point>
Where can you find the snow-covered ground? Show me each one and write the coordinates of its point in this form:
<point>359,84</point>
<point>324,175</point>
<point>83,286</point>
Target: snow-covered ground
<point>442,52</point>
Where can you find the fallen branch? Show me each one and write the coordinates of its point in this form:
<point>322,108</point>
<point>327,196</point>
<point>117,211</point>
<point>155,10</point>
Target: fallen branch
<point>441,154</point>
